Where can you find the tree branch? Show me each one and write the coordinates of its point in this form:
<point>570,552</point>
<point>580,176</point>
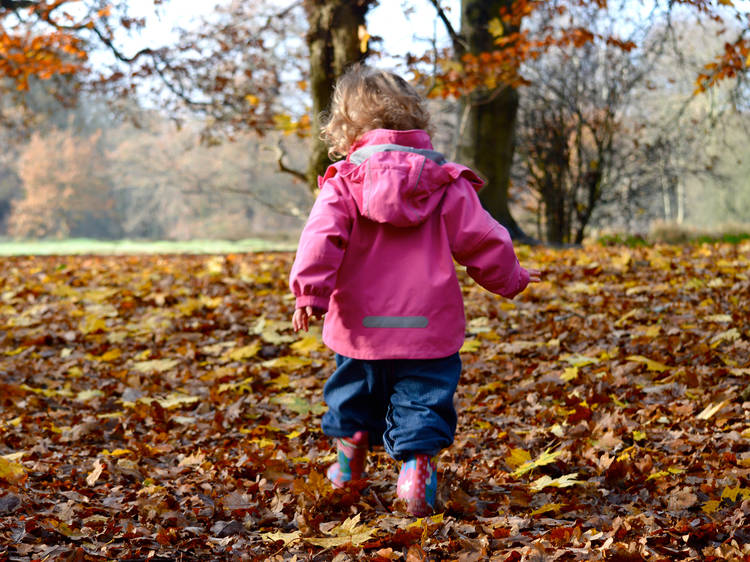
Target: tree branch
<point>280,153</point>
<point>16,4</point>
<point>459,45</point>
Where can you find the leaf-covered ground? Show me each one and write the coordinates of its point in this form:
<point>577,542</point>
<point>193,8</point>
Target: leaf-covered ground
<point>159,407</point>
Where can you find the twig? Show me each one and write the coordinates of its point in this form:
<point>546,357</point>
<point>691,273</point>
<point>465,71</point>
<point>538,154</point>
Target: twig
<point>280,153</point>
<point>459,45</point>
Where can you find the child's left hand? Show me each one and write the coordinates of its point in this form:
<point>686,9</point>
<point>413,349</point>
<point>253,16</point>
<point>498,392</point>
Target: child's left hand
<point>301,318</point>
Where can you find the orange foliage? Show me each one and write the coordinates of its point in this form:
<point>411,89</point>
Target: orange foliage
<point>25,55</point>
<point>516,45</point>
<point>64,179</point>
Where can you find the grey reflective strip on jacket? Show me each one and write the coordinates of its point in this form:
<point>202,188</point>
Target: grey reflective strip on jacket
<point>359,156</point>
<point>395,322</point>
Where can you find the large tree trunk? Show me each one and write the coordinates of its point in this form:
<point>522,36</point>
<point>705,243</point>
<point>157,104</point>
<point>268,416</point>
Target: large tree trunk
<point>334,45</point>
<point>487,142</point>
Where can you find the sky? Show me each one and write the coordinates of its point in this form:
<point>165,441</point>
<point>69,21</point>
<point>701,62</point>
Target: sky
<point>401,32</point>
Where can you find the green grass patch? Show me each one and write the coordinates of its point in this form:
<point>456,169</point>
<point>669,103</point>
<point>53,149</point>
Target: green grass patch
<point>79,246</point>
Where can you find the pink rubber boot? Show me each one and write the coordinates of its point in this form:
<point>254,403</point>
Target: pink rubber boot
<point>417,485</point>
<point>352,453</point>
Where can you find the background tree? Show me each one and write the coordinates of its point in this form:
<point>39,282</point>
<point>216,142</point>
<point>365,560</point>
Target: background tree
<point>488,55</point>
<point>66,189</point>
<point>335,40</point>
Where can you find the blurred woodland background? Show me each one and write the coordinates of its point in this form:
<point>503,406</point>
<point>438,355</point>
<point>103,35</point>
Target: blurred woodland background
<point>586,117</point>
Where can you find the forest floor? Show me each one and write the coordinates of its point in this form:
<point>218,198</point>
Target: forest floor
<point>159,408</point>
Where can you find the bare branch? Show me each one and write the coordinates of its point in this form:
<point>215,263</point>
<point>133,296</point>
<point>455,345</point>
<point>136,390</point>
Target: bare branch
<point>280,153</point>
<point>16,4</point>
<point>459,45</point>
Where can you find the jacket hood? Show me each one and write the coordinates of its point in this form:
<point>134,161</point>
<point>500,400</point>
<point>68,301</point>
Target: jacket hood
<point>396,177</point>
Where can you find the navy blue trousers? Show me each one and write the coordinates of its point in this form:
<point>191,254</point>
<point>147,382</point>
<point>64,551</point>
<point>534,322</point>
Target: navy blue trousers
<point>405,404</point>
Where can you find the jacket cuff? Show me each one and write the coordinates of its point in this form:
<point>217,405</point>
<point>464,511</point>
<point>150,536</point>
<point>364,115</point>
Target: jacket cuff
<point>317,302</point>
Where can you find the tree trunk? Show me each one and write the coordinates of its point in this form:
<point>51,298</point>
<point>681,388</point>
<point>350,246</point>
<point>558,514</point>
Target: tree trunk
<point>488,141</point>
<point>334,45</point>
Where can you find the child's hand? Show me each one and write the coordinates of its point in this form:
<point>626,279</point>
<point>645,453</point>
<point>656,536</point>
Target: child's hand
<point>301,318</point>
<point>535,276</point>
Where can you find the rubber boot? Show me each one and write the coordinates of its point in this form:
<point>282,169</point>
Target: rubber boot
<point>417,485</point>
<point>351,456</point>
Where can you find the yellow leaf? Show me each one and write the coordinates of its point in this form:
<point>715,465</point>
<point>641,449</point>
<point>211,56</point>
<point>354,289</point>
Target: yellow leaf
<point>470,346</point>
<point>176,400</point>
<point>364,38</point>
<point>243,385</point>
<point>434,519</point>
<point>651,365</point>
<point>719,318</point>
<point>196,459</point>
<point>110,415</point>
<point>544,459</point>
<point>580,360</point>
<point>243,353</point>
<point>110,355</point>
<point>251,99</point>
<point>569,374</point>
<point>348,532</point>
<point>93,324</point>
<point>294,434</point>
<point>626,317</point>
<point>711,409</point>
<point>297,404</point>
<point>286,538</point>
<point>495,27</point>
<point>263,442</point>
<point>15,456</point>
<point>306,345</point>
<point>729,335</point>
<point>710,506</point>
<point>86,395</point>
<point>547,508</point>
<point>639,435</point>
<point>117,452</point>
<point>155,365</point>
<point>565,481</point>
<point>282,381</point>
<point>287,363</point>
<point>189,306</point>
<point>585,288</point>
<point>517,457</point>
<point>11,472</point>
<point>622,261</point>
<point>268,330</point>
<point>730,493</point>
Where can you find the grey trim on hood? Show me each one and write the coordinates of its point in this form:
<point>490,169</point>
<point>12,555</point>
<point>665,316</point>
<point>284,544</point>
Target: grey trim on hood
<point>362,154</point>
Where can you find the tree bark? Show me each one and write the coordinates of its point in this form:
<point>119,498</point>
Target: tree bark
<point>488,140</point>
<point>334,45</point>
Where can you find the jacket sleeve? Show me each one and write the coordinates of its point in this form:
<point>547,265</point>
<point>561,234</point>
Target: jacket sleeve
<point>322,246</point>
<point>480,243</point>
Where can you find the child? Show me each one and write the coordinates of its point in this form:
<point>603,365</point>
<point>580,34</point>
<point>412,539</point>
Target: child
<point>376,256</point>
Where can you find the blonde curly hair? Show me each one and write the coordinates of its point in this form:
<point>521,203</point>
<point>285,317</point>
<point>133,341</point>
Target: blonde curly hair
<point>365,99</point>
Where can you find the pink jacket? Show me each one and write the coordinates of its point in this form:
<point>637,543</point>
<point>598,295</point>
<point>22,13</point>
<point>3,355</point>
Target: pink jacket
<point>377,250</point>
